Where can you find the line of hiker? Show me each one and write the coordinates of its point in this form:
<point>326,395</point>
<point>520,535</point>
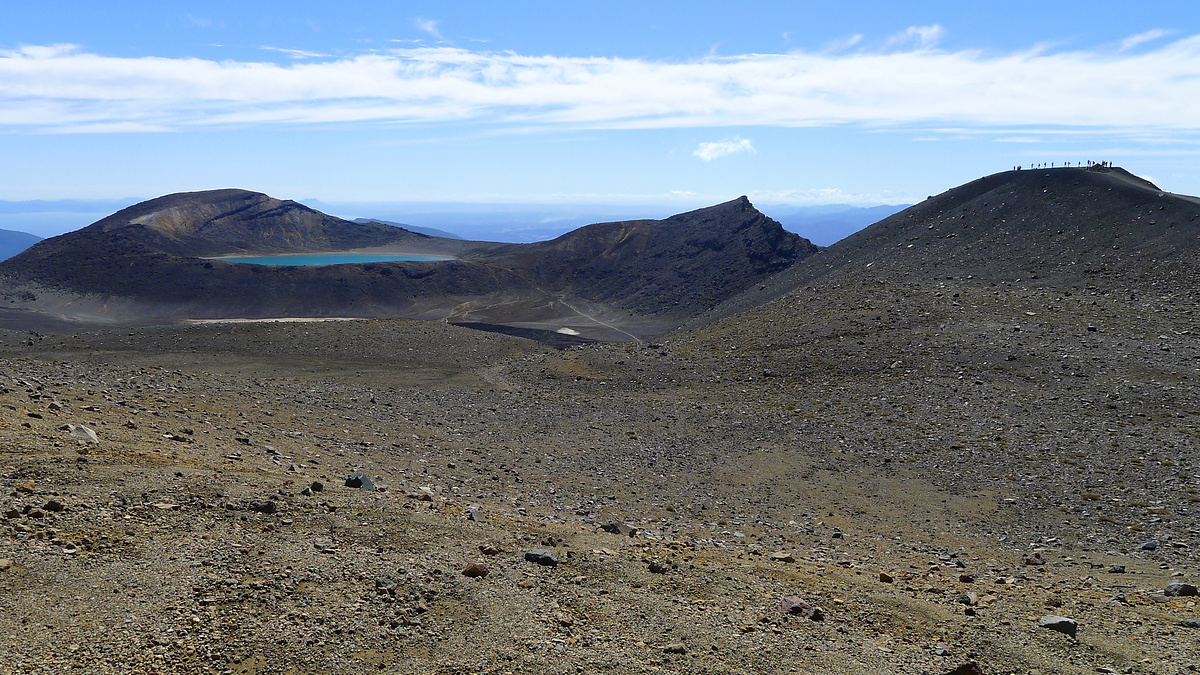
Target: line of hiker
<point>1050,165</point>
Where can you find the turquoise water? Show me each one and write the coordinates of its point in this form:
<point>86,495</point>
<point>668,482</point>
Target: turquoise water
<point>331,258</point>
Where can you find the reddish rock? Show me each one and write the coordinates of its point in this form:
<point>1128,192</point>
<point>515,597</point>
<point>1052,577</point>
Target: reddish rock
<point>475,569</point>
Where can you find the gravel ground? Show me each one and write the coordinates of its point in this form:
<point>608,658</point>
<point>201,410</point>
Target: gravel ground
<point>933,466</point>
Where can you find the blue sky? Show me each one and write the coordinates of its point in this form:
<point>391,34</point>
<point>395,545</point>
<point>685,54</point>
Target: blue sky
<point>668,104</point>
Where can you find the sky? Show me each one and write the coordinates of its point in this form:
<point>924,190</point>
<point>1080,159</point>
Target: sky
<point>673,105</point>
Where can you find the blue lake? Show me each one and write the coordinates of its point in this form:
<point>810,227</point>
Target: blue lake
<point>332,258</point>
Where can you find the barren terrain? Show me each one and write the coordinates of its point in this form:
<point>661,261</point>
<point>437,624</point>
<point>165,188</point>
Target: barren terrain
<point>915,435</point>
<point>903,454</point>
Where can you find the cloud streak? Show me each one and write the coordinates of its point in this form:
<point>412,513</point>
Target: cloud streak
<point>60,88</point>
<point>924,37</point>
<point>726,146</point>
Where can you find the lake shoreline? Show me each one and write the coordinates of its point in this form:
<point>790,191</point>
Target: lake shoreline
<point>331,258</point>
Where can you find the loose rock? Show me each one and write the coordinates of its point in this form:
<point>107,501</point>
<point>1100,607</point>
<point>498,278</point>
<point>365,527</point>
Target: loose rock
<point>475,569</point>
<point>796,607</point>
<point>82,434</point>
<point>1059,623</point>
<point>542,557</point>
<point>1179,590</point>
<point>360,481</point>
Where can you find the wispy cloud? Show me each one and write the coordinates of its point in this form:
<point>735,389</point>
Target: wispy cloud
<point>726,146</point>
<point>923,37</point>
<point>844,43</point>
<point>54,88</point>
<point>429,26</point>
<point>1142,38</point>
<point>295,53</point>
<point>825,196</point>
<point>200,21</point>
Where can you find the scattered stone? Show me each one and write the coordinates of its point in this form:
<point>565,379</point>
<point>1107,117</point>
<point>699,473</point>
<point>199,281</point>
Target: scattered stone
<point>1190,623</point>
<point>266,507</point>
<point>1059,623</point>
<point>969,668</point>
<point>542,557</point>
<point>12,513</point>
<point>783,556</point>
<point>489,549</point>
<point>886,578</point>
<point>324,546</point>
<point>658,567</point>
<point>475,513</point>
<point>1116,569</point>
<point>55,506</point>
<point>1179,590</point>
<point>794,606</point>
<point>426,494</point>
<point>675,648</point>
<point>359,481</point>
<point>968,599</point>
<point>942,649</point>
<point>27,487</point>
<point>82,434</point>
<point>967,578</point>
<point>387,585</point>
<point>617,527</point>
<point>5,564</point>
<point>475,569</point>
<point>1035,560</point>
<point>1149,546</point>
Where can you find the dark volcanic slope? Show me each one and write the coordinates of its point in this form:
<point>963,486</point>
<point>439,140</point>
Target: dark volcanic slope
<point>225,222</point>
<point>1059,227</point>
<point>674,267</point>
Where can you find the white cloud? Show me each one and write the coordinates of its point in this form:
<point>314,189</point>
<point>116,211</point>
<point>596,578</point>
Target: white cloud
<point>924,37</point>
<point>726,146</point>
<point>63,88</point>
<point>1142,38</point>
<point>428,26</point>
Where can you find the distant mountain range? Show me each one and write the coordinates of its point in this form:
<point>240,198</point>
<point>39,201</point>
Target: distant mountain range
<point>433,232</point>
<point>12,243</point>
